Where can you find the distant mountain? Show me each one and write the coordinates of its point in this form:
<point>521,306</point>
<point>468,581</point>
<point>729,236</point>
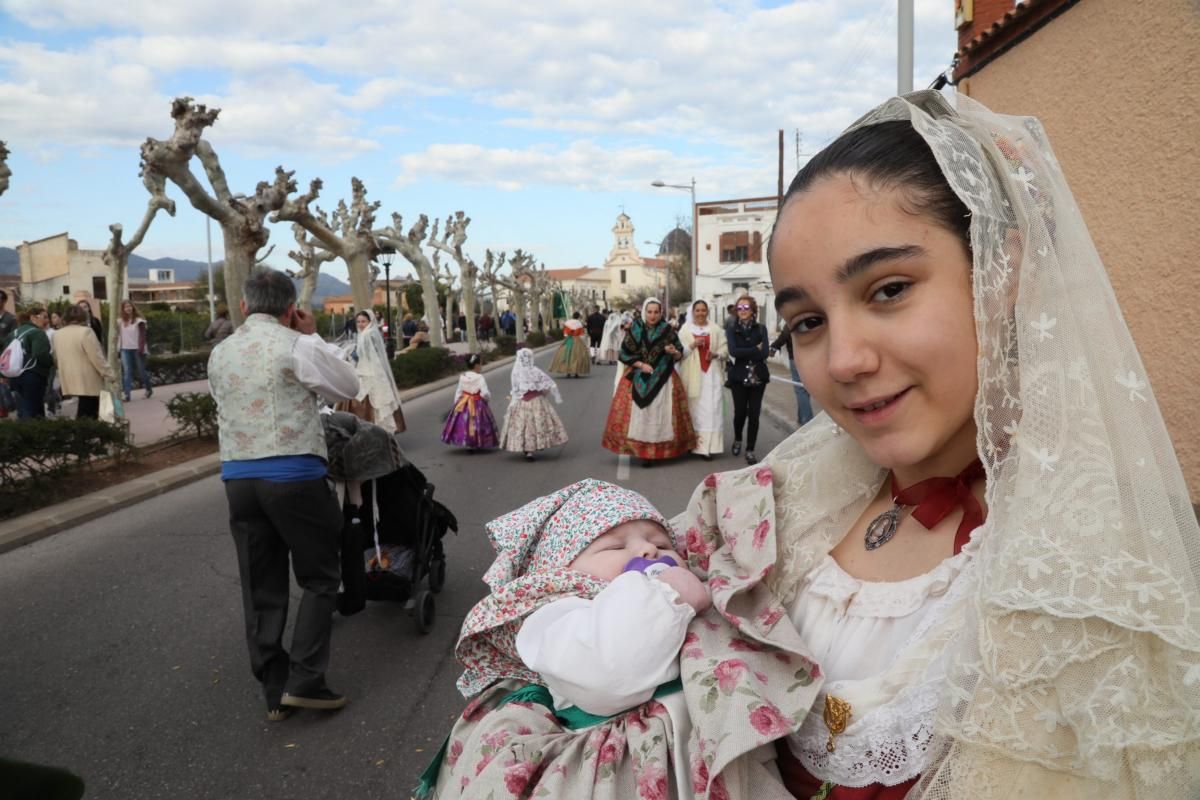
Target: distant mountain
<point>139,268</point>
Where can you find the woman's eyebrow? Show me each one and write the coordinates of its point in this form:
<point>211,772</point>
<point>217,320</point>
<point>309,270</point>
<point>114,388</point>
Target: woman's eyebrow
<point>852,267</point>
<point>856,265</point>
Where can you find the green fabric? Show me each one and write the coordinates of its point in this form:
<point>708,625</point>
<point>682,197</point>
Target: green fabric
<point>648,345</point>
<point>36,344</point>
<point>824,791</point>
<point>572,718</point>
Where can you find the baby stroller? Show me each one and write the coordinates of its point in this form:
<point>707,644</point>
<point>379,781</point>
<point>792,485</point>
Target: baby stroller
<point>398,547</point>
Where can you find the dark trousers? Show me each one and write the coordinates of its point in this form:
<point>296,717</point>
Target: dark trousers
<point>747,405</point>
<point>89,406</point>
<point>30,388</point>
<point>268,521</point>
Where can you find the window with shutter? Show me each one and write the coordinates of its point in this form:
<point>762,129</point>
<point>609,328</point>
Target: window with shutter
<point>756,247</point>
<point>735,247</point>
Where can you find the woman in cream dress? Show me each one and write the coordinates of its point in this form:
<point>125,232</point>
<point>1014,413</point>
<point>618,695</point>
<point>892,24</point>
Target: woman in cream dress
<point>703,372</point>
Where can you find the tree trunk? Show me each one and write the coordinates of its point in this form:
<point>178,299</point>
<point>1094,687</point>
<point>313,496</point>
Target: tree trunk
<point>307,287</point>
<point>358,265</point>
<point>469,310</point>
<point>117,270</point>
<point>518,298</point>
<point>238,262</point>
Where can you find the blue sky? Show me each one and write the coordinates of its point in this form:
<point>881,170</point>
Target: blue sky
<point>540,120</point>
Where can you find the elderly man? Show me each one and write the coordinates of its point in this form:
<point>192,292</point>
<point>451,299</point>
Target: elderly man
<point>266,379</point>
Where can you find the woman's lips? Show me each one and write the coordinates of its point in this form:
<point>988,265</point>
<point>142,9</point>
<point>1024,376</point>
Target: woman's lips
<point>879,411</point>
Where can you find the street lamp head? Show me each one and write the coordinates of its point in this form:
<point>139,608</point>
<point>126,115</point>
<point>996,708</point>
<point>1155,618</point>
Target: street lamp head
<point>386,256</point>
<point>659,184</point>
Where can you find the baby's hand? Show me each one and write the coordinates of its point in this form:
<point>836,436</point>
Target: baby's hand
<point>691,589</point>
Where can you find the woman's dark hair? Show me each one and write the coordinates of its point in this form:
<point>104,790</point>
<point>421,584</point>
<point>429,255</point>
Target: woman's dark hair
<point>753,303</point>
<point>473,360</point>
<point>364,315</point>
<point>74,315</point>
<point>885,156</point>
<point>699,303</point>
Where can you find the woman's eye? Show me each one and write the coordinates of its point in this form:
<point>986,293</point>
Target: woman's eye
<point>806,325</point>
<point>890,291</point>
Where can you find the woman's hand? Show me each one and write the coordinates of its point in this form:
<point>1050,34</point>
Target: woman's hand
<point>671,349</point>
<point>646,368</point>
<point>690,588</point>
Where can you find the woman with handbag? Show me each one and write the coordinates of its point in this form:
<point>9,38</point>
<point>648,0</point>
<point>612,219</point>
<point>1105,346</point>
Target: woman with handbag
<point>82,368</point>
<point>748,375</point>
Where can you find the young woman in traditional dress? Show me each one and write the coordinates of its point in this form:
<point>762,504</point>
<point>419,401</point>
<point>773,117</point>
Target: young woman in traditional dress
<point>471,424</point>
<point>975,574</point>
<point>378,399</point>
<point>703,373</point>
<point>649,414</point>
<point>610,340</point>
<point>572,358</point>
<point>531,423</point>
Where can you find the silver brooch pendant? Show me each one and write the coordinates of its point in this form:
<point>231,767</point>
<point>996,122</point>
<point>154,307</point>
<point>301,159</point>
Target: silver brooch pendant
<point>882,528</point>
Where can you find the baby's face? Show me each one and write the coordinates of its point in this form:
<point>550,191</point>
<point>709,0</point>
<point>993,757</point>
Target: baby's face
<point>608,555</point>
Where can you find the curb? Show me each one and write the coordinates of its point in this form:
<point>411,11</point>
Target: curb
<point>50,520</point>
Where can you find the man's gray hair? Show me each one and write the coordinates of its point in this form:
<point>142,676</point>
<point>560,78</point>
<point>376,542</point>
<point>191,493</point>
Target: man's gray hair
<point>268,291</point>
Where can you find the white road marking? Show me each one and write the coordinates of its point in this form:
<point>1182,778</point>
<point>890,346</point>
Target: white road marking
<point>623,468</point>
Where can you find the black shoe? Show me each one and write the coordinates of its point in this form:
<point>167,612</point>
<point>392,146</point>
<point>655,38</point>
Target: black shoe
<point>149,392</point>
<point>647,462</point>
<point>751,458</point>
<point>278,714</point>
<point>324,699</point>
<point>737,448</point>
<point>528,456</point>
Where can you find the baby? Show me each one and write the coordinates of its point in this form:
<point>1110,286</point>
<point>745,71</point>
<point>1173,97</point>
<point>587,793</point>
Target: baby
<point>572,661</point>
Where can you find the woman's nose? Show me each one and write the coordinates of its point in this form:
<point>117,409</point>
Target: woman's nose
<point>851,352</point>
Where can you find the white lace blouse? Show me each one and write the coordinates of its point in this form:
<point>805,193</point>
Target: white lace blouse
<point>879,645</point>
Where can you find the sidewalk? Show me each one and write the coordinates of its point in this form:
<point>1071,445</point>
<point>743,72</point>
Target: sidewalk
<point>779,401</point>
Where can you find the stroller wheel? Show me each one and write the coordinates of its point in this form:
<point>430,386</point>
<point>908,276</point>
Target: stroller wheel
<point>424,609</point>
<point>437,575</point>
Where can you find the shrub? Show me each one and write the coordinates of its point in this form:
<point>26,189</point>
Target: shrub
<point>505,346</point>
<point>535,339</point>
<point>555,334</point>
<point>36,451</point>
<point>422,365</point>
<point>174,331</point>
<point>181,368</point>
<point>195,411</point>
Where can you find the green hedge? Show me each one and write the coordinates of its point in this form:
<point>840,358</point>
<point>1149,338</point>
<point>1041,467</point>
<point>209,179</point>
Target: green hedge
<point>36,451</point>
<point>422,365</point>
<point>535,339</point>
<point>174,331</point>
<point>195,412</point>
<point>505,346</point>
<point>181,368</point>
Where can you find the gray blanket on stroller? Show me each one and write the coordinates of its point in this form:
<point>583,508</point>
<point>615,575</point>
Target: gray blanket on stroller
<point>358,450</point>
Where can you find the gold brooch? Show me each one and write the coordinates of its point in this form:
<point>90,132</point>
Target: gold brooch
<point>837,716</point>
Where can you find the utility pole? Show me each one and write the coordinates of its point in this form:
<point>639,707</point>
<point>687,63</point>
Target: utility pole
<point>904,49</point>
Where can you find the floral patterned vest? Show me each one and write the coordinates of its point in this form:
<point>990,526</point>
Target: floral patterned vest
<point>262,409</point>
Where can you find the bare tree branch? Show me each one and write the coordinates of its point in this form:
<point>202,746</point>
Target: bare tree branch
<point>409,246</point>
<point>5,172</point>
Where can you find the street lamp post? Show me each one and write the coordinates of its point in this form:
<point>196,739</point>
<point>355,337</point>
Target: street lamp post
<point>386,256</point>
<point>695,224</point>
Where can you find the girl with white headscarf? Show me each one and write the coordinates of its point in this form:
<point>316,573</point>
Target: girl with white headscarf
<point>378,399</point>
<point>531,423</point>
<point>703,371</point>
<point>982,558</point>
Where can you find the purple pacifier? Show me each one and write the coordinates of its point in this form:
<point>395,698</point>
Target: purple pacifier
<point>650,567</point>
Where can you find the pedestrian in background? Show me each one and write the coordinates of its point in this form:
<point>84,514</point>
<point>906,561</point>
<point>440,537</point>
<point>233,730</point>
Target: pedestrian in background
<point>94,323</point>
<point>8,321</point>
<point>595,329</point>
<point>220,328</point>
<point>30,385</point>
<point>804,410</point>
<point>132,326</point>
<point>273,463</point>
<point>748,375</point>
<point>82,368</point>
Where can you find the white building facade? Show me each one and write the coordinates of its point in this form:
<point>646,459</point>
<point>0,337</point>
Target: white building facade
<point>732,237</point>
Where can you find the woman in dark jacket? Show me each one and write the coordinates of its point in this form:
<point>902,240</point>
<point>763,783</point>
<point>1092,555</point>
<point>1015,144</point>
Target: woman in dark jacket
<point>748,375</point>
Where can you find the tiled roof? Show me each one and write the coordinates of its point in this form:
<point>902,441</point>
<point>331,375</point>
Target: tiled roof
<point>1023,19</point>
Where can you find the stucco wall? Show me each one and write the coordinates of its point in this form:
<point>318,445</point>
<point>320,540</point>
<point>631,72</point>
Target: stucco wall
<point>1116,87</point>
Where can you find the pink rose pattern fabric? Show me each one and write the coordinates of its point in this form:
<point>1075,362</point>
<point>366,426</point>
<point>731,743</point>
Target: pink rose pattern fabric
<point>747,677</point>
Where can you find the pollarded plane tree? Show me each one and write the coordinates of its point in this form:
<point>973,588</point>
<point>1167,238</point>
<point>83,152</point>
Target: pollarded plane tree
<point>5,172</point>
<point>242,218</point>
<point>518,284</point>
<point>487,274</point>
<point>447,279</point>
<point>116,256</point>
<point>541,293</point>
<point>309,257</point>
<point>347,233</point>
<point>409,246</point>
<point>451,242</point>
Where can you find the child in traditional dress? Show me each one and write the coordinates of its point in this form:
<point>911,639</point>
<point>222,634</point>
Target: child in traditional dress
<point>572,660</point>
<point>471,423</point>
<point>531,423</point>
